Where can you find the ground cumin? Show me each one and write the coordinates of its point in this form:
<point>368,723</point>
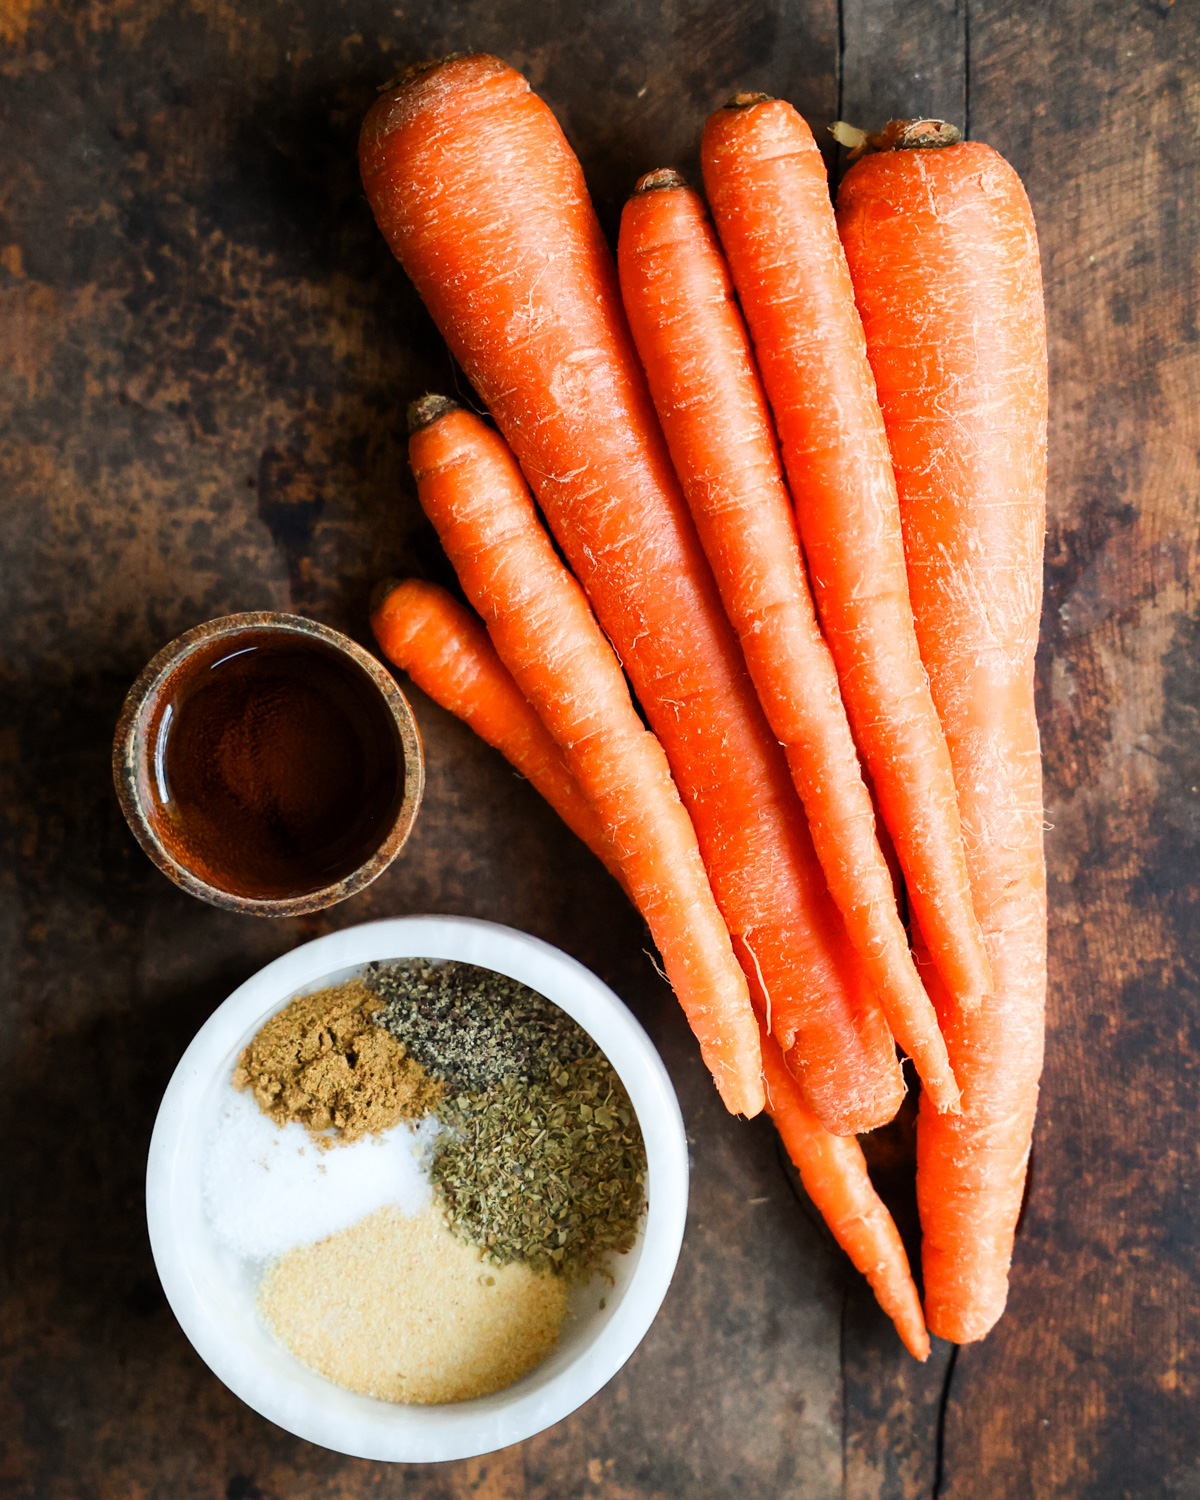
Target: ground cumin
<point>323,1061</point>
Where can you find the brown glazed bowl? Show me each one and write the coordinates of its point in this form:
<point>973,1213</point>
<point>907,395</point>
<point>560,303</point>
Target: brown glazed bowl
<point>137,732</point>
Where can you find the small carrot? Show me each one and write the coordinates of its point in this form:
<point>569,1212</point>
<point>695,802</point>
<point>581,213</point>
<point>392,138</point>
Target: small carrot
<point>834,1173</point>
<point>482,200</point>
<point>697,358</point>
<point>769,196</point>
<point>943,251</point>
<point>446,651</point>
<point>472,490</point>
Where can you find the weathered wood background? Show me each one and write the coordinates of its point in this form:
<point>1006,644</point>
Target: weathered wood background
<point>205,347</point>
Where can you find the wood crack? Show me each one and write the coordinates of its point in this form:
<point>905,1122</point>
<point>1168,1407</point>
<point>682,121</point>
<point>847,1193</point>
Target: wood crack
<point>939,1461</point>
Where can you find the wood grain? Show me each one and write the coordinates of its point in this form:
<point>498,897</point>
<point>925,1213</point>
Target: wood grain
<point>204,349</point>
<point>903,60</point>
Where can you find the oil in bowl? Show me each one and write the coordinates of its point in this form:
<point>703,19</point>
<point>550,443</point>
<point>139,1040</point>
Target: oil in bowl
<point>275,766</point>
<point>268,764</point>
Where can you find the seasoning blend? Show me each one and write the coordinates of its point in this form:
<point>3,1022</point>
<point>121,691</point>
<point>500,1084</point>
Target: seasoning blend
<point>428,1158</point>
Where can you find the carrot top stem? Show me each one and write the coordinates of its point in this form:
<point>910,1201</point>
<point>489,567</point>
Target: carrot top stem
<point>414,70</point>
<point>380,592</point>
<point>747,101</point>
<point>427,409</point>
<point>661,177</point>
<point>896,135</point>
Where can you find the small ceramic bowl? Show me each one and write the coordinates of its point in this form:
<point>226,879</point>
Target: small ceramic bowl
<point>214,1297</point>
<point>142,727</point>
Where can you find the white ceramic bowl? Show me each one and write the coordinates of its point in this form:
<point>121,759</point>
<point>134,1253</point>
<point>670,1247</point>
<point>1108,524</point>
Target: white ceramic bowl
<point>213,1296</point>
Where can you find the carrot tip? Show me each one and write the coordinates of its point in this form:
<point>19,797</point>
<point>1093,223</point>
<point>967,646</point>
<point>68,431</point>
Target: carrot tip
<point>661,177</point>
<point>426,410</point>
<point>747,101</point>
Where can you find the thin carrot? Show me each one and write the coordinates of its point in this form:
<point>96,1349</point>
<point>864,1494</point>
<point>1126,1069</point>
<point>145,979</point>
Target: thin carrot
<point>446,651</point>
<point>697,358</point>
<point>943,251</point>
<point>834,1173</point>
<point>767,187</point>
<point>482,200</point>
<point>544,633</point>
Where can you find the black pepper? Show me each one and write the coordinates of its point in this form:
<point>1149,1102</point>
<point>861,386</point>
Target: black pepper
<point>471,1027</point>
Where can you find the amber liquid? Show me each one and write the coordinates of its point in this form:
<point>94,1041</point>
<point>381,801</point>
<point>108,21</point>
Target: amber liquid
<point>277,768</point>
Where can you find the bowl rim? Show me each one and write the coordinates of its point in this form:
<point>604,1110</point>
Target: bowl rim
<point>127,762</point>
<point>466,1429</point>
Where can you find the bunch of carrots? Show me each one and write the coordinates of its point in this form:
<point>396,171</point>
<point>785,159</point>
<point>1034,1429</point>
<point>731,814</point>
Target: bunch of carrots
<point>795,461</point>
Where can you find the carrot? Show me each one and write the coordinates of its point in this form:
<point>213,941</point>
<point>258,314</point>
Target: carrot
<point>834,1173</point>
<point>482,200</point>
<point>766,184</point>
<point>697,358</point>
<point>472,490</point>
<point>446,651</point>
<point>453,661</point>
<point>943,251</point>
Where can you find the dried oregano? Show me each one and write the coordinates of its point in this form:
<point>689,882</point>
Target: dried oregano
<point>542,1159</point>
<point>551,1171</point>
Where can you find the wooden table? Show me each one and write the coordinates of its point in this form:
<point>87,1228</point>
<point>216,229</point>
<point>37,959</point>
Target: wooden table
<point>206,347</point>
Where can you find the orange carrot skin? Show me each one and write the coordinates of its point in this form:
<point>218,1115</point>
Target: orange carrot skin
<point>452,653</point>
<point>482,200</point>
<point>767,187</point>
<point>696,354</point>
<point>539,620</point>
<point>446,651</point>
<point>834,1173</point>
<point>943,250</point>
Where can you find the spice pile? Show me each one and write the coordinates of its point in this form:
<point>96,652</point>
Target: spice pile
<point>399,1309</point>
<point>543,1161</point>
<point>324,1062</point>
<point>427,1157</point>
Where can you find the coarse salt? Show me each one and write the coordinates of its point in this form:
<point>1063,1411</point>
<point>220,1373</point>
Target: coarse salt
<point>269,1189</point>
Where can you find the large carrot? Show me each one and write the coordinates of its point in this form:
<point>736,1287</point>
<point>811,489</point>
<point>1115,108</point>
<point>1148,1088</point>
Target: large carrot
<point>767,187</point>
<point>943,251</point>
<point>447,653</point>
<point>472,490</point>
<point>697,358</point>
<point>484,203</point>
<point>834,1173</point>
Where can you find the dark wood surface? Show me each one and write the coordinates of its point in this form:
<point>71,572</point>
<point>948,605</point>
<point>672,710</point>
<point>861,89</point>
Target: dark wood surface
<point>204,347</point>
